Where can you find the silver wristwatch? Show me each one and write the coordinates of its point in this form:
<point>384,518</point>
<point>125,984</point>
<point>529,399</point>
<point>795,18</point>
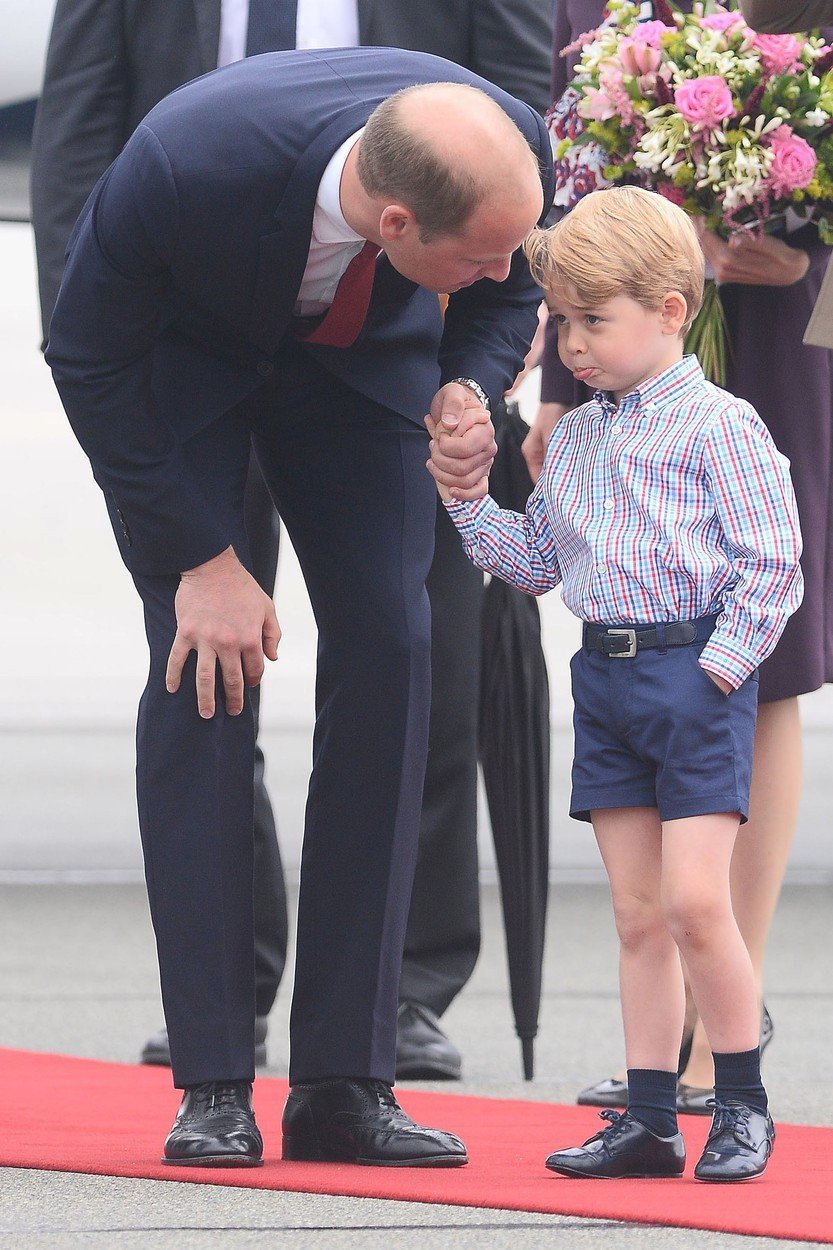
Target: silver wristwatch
<point>477,389</point>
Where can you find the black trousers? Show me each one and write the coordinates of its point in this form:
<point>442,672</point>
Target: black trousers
<point>348,479</point>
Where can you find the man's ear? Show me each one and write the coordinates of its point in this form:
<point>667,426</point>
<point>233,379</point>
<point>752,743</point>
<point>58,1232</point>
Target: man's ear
<point>673,312</point>
<point>395,222</point>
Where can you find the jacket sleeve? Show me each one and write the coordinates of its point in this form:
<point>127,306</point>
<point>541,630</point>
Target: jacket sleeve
<point>79,127</point>
<point>490,325</point>
<point>786,16</point>
<point>104,327</point>
<point>510,44</point>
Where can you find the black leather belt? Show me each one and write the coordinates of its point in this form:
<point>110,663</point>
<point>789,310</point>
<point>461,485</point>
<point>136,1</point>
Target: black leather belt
<point>622,643</point>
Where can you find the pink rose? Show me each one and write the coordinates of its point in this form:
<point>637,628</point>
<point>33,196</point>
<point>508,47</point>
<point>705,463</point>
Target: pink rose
<point>793,162</point>
<point>779,53</point>
<point>638,58</point>
<point>650,33</point>
<point>596,105</point>
<point>721,20</point>
<point>704,102</point>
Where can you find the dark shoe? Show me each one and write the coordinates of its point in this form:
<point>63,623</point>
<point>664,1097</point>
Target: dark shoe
<point>423,1052</point>
<point>215,1128</point>
<point>157,1051</point>
<point>738,1145</point>
<point>699,1100</point>
<point>607,1093</point>
<point>624,1148</point>
<point>360,1121</point>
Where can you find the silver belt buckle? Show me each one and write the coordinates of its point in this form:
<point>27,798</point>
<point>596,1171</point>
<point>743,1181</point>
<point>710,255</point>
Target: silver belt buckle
<point>630,634</point>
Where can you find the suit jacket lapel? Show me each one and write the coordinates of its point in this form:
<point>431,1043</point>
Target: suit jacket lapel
<point>282,254</point>
<point>207,14</point>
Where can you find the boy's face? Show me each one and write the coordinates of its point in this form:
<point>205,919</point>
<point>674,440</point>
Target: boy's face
<point>616,345</point>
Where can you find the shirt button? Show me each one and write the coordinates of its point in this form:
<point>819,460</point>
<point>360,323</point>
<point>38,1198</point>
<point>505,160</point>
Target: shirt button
<point>608,504</point>
<point>265,368</point>
<point>615,430</point>
<point>601,568</point>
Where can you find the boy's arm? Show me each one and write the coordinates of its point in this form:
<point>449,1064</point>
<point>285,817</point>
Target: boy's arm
<point>756,507</point>
<point>518,548</point>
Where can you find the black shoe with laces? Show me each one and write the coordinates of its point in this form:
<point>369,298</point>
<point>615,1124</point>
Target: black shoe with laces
<point>215,1127</point>
<point>624,1148</point>
<point>738,1145</point>
<point>359,1121</point>
<point>423,1052</point>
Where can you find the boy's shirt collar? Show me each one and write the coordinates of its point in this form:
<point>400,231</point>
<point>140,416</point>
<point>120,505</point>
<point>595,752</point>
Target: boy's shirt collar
<point>668,387</point>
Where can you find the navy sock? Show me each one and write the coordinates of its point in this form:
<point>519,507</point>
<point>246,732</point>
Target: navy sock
<point>738,1076</point>
<point>652,1099</point>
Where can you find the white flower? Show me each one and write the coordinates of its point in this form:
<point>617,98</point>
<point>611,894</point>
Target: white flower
<point>817,117</point>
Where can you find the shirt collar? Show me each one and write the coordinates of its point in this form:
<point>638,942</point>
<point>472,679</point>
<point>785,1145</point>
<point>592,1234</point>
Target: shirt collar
<point>330,225</point>
<point>668,387</point>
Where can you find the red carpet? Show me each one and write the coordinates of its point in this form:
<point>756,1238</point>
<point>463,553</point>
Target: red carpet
<point>78,1115</point>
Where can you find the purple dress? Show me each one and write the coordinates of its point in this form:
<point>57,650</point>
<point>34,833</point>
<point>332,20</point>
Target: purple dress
<point>789,384</point>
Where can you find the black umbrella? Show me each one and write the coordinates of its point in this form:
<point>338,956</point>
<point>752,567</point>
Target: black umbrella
<point>515,749</point>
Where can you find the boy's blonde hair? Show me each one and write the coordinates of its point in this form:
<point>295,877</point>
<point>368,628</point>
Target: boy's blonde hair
<point>623,241</point>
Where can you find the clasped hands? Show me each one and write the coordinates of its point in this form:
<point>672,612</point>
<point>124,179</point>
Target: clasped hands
<point>221,611</point>
<point>462,445</point>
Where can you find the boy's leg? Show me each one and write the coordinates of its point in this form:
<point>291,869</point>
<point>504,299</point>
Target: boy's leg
<point>697,853</point>
<point>644,1141</point>
<point>697,904</point>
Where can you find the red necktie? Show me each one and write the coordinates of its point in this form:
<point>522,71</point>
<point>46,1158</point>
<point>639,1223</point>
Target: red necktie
<point>343,322</point>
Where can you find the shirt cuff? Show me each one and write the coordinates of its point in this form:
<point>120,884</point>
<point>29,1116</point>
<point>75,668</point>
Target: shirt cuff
<point>470,515</point>
<point>728,659</point>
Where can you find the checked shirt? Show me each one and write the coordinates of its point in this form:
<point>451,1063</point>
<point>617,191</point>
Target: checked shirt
<point>674,505</point>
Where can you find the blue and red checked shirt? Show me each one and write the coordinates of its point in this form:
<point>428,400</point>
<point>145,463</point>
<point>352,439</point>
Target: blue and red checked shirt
<point>674,505</point>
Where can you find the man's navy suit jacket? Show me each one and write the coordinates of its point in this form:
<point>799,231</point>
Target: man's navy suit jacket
<point>185,265</point>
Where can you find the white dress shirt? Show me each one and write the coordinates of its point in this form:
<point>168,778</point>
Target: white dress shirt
<point>319,24</point>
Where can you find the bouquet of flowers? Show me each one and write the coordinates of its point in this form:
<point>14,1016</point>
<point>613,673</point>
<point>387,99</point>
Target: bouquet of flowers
<point>735,126</point>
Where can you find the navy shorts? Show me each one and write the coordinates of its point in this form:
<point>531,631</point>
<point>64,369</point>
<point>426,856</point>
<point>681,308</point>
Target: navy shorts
<point>654,730</point>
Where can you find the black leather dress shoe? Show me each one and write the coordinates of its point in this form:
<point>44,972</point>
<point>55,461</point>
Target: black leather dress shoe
<point>607,1093</point>
<point>359,1121</point>
<point>738,1145</point>
<point>624,1148</point>
<point>157,1051</point>
<point>215,1127</point>
<point>423,1052</point>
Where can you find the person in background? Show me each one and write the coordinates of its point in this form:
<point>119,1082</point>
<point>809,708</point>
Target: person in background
<point>779,17</point>
<point>768,288</point>
<point>665,682</point>
<point>109,62</point>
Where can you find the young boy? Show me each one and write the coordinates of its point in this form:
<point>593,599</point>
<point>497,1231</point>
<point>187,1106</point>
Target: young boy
<point>669,517</point>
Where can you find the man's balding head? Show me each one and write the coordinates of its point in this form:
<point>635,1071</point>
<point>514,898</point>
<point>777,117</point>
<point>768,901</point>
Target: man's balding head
<point>445,150</point>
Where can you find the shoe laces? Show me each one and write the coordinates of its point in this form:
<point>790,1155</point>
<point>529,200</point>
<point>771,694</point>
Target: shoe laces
<point>727,1116</point>
<point>218,1095</point>
<point>618,1121</point>
<point>384,1095</point>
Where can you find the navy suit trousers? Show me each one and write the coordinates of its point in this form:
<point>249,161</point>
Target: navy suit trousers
<point>349,481</point>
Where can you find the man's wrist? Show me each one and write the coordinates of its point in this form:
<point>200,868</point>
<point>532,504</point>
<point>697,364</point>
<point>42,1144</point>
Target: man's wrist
<point>476,389</point>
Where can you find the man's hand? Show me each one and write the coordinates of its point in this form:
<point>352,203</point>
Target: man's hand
<point>224,616</point>
<point>534,446</point>
<point>463,443</point>
<point>751,260</point>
